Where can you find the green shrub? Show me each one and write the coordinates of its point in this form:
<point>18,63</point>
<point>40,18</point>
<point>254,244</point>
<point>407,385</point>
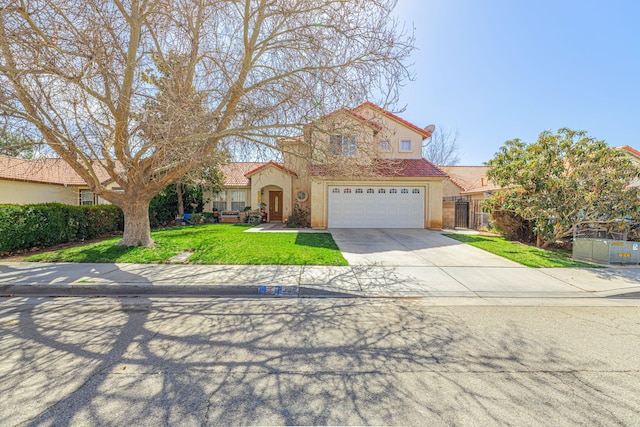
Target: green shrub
<point>163,207</point>
<point>27,226</point>
<point>513,227</point>
<point>299,217</point>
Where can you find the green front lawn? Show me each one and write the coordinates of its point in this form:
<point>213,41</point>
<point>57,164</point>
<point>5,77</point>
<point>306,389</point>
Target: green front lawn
<point>211,244</point>
<point>518,252</point>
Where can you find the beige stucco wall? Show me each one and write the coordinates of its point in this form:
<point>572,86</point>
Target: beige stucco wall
<point>272,178</point>
<point>449,189</point>
<point>348,126</point>
<point>21,193</point>
<point>433,198</point>
<point>394,132</point>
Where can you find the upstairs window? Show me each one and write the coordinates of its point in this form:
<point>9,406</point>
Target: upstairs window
<point>343,145</point>
<point>405,145</point>
<point>385,145</point>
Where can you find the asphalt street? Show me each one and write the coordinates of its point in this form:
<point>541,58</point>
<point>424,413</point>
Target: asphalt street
<point>139,361</point>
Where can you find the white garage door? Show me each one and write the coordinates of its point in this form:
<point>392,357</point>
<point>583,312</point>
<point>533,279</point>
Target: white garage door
<point>376,207</point>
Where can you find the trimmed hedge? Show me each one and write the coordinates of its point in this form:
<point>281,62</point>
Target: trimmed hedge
<point>28,226</point>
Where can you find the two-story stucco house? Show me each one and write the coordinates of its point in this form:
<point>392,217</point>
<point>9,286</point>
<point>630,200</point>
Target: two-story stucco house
<point>353,168</point>
<point>357,168</point>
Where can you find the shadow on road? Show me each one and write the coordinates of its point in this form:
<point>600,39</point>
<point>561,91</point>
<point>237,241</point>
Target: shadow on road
<point>139,361</point>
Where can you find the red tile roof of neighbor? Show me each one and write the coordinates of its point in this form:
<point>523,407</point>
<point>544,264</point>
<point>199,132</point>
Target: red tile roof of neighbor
<point>389,114</point>
<point>471,179</point>
<point>47,171</point>
<point>631,150</point>
<point>414,168</point>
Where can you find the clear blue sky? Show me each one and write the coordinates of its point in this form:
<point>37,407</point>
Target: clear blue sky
<point>501,69</point>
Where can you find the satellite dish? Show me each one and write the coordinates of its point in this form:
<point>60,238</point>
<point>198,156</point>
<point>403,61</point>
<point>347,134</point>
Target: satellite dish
<point>430,128</point>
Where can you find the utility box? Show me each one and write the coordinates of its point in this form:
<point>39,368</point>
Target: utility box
<point>605,251</point>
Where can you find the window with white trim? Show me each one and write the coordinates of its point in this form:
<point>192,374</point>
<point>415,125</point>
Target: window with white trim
<point>219,201</point>
<point>87,198</point>
<point>302,196</point>
<point>405,145</point>
<point>238,199</point>
<point>385,145</point>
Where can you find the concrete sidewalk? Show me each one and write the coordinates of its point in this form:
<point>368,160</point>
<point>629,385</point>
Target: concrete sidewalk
<point>368,281</point>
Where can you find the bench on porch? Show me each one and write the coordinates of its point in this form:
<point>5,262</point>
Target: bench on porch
<point>230,216</point>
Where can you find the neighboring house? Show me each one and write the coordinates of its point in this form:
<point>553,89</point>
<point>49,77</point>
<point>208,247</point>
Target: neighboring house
<point>358,168</point>
<point>463,193</point>
<point>42,181</point>
<point>634,155</point>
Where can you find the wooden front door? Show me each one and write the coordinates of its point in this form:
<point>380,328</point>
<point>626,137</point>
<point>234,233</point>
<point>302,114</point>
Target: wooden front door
<point>275,205</point>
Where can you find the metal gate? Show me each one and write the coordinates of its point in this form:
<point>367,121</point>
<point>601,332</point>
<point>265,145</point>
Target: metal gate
<point>462,214</point>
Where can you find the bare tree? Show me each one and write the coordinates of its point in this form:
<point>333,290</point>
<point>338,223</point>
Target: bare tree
<point>442,148</point>
<point>149,89</point>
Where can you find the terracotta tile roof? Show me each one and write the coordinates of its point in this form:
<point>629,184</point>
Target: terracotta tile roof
<point>471,179</point>
<point>631,150</point>
<point>413,168</point>
<point>423,132</point>
<point>47,171</point>
<point>270,163</point>
<point>235,173</point>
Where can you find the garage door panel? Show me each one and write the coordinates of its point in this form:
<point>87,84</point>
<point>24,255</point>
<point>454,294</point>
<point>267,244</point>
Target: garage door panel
<point>376,207</point>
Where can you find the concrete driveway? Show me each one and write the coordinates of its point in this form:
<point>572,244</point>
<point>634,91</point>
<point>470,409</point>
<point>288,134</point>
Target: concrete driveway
<point>411,248</point>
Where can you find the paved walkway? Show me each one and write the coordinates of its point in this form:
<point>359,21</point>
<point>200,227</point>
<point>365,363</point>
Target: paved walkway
<point>383,263</point>
<point>21,278</point>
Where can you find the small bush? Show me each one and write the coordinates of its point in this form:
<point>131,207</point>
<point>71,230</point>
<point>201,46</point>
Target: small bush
<point>299,217</point>
<point>513,227</point>
<point>28,226</point>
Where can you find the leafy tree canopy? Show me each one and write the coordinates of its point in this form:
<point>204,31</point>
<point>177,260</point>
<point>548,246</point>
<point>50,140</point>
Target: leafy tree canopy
<point>146,91</point>
<point>564,180</point>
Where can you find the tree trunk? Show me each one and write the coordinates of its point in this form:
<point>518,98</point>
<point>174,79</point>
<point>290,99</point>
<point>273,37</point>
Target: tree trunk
<point>137,231</point>
<point>180,198</point>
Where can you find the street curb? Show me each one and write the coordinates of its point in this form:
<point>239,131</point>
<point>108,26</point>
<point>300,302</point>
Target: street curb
<point>87,290</point>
